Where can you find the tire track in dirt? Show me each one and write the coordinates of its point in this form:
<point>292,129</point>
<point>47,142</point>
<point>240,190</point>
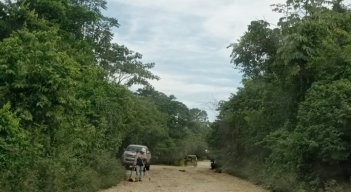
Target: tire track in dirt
<point>162,178</point>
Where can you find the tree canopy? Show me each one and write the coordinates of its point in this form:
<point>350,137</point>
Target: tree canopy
<point>291,118</point>
<point>65,107</point>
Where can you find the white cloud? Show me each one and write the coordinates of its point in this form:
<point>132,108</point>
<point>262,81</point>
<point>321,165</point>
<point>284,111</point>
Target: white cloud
<point>232,20</point>
<point>195,95</point>
<point>173,83</point>
<point>187,40</point>
<point>225,19</point>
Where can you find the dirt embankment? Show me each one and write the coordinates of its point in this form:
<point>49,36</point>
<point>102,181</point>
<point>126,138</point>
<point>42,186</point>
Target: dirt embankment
<point>183,179</point>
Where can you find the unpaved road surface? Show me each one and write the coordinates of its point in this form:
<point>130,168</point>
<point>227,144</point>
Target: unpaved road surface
<point>186,179</point>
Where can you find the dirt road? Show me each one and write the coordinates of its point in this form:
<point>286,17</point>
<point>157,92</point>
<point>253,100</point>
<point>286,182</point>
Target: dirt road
<point>184,179</point>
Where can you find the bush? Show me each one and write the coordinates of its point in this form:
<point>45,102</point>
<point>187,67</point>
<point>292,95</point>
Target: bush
<point>110,171</point>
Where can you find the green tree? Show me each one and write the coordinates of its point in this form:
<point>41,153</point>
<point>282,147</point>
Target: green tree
<point>126,68</point>
<point>290,117</point>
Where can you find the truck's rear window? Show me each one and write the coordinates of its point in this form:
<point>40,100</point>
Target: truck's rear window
<point>133,148</point>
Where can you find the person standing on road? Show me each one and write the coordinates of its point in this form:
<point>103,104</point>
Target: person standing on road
<point>139,163</point>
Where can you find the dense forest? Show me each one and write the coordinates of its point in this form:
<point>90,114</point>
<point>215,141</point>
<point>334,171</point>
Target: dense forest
<point>289,126</point>
<point>66,107</point>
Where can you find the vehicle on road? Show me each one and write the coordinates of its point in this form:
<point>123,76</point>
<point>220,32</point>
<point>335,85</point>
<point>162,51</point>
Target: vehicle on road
<point>191,159</point>
<point>130,152</point>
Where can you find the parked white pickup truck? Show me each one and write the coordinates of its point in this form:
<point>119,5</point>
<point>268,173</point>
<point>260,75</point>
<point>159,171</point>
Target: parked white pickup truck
<point>129,154</point>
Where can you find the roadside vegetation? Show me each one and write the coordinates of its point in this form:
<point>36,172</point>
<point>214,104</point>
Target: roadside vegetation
<point>65,108</point>
<point>288,126</point>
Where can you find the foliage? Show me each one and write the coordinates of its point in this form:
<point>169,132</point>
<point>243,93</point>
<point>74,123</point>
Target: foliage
<point>66,110</point>
<point>186,129</point>
<point>126,68</point>
<point>13,142</point>
<point>291,117</point>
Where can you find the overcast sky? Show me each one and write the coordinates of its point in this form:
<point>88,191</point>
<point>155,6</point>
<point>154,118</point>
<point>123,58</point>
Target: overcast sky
<point>187,41</point>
